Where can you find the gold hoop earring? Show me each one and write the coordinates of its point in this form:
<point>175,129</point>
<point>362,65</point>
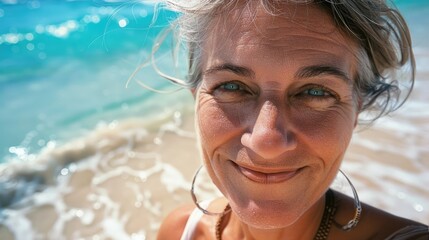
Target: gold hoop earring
<point>358,208</point>
<point>194,198</point>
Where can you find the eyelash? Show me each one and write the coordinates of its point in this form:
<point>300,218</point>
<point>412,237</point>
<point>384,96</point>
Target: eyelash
<point>304,92</point>
<point>327,93</point>
<point>222,87</point>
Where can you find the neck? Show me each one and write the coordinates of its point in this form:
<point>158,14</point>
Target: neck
<point>304,228</point>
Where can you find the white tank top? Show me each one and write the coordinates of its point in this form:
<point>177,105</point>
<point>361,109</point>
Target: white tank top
<point>193,220</point>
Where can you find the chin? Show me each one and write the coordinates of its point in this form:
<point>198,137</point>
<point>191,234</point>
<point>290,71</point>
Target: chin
<point>268,222</point>
<point>271,215</point>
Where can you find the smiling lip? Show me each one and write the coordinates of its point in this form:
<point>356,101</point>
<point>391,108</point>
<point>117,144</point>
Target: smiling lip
<point>267,178</point>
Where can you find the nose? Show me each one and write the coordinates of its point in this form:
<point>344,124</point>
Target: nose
<point>270,136</point>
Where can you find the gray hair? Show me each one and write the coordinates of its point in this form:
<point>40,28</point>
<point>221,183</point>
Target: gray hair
<point>379,29</point>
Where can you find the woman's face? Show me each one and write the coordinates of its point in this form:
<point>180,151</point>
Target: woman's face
<point>275,110</point>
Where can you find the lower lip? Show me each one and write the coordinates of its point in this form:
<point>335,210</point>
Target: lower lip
<point>267,178</point>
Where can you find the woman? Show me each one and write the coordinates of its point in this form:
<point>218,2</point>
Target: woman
<point>279,87</point>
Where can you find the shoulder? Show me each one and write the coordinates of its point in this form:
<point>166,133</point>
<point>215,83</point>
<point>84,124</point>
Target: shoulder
<point>384,224</point>
<point>173,225</point>
<point>411,232</point>
<point>374,223</point>
<point>201,225</point>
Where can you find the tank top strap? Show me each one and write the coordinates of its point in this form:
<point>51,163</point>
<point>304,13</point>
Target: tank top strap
<point>193,220</point>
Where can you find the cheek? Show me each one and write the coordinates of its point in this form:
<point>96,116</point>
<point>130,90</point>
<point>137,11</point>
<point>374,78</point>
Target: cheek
<point>215,128</point>
<point>216,124</point>
<point>327,133</point>
<point>211,124</point>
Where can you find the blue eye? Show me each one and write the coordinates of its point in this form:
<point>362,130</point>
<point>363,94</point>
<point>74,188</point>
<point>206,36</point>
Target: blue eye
<point>231,91</point>
<point>231,86</point>
<point>319,92</point>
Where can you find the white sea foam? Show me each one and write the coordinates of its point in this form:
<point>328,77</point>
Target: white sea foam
<point>86,168</point>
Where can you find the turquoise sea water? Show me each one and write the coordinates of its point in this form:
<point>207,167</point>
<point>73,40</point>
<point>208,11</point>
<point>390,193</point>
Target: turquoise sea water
<point>64,65</point>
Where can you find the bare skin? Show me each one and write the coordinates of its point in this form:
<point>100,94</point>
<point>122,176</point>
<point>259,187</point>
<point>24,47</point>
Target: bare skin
<point>374,224</point>
<point>275,112</point>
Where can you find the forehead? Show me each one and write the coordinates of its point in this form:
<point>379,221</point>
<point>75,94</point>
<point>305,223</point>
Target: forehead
<point>305,31</point>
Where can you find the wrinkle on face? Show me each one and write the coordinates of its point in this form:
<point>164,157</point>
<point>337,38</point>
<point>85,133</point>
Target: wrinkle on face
<point>240,27</point>
<point>267,60</point>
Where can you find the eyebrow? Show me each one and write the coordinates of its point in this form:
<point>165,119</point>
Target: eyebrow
<point>318,70</point>
<point>304,72</point>
<point>241,71</point>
